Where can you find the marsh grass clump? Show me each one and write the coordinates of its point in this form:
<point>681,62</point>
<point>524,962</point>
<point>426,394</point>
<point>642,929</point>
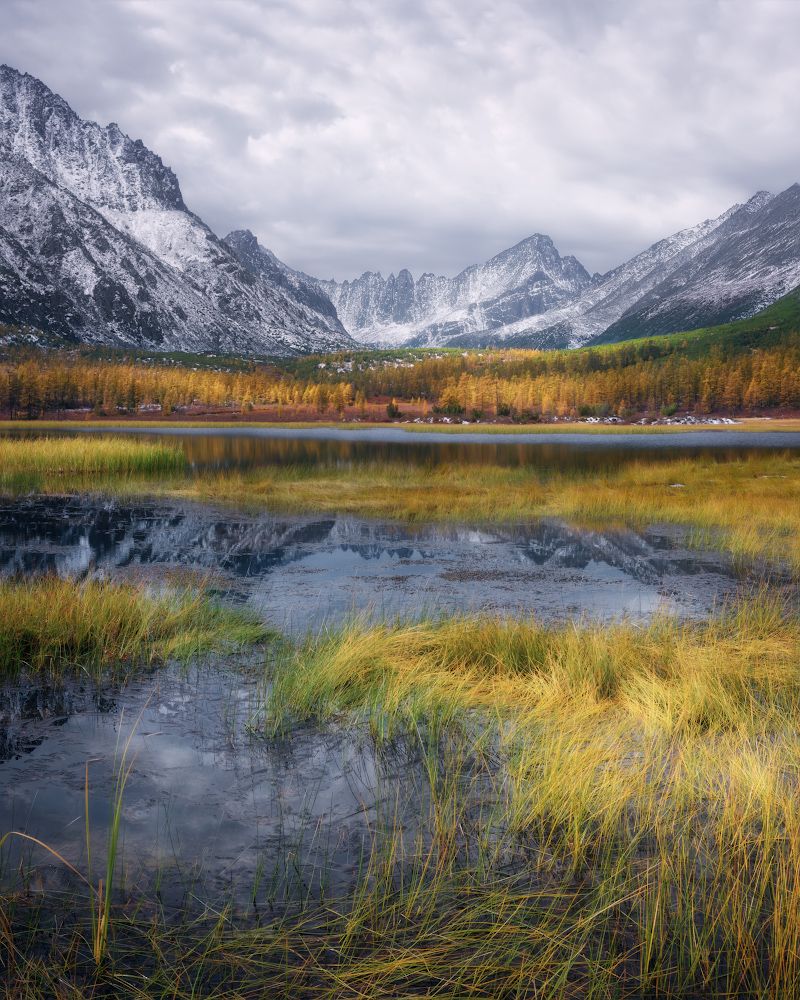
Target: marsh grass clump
<point>647,776</point>
<point>42,463</point>
<point>56,626</point>
<point>639,830</point>
<point>739,669</point>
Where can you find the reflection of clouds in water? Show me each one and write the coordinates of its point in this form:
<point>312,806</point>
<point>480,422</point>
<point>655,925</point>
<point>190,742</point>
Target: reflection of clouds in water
<point>202,788</point>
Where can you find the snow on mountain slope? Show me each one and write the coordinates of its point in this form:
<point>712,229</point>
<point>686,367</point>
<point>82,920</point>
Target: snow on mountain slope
<point>261,261</point>
<point>66,270</point>
<point>754,260</point>
<point>527,279</point>
<point>112,254</point>
<point>615,292</point>
<point>720,269</point>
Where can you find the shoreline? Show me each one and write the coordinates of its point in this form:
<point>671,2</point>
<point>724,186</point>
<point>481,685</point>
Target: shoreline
<point>749,425</point>
<point>763,435</point>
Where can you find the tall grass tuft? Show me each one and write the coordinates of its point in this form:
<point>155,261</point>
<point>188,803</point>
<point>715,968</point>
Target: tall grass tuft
<point>53,625</point>
<point>651,772</point>
<point>38,463</point>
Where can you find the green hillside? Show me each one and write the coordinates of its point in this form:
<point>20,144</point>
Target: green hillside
<point>765,329</point>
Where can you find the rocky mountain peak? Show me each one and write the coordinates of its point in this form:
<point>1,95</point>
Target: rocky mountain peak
<point>102,166</point>
<point>527,278</point>
<point>96,244</point>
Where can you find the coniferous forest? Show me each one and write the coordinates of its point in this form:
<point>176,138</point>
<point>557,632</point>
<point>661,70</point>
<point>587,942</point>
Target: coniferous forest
<point>732,372</point>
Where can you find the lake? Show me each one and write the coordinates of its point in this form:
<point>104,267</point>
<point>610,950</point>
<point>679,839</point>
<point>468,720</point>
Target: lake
<point>215,810</point>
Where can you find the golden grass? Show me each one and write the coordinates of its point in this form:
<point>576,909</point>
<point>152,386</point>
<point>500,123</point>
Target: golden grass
<point>55,626</point>
<point>638,835</point>
<point>737,673</point>
<point>652,772</point>
<point>639,830</point>
<point>34,461</point>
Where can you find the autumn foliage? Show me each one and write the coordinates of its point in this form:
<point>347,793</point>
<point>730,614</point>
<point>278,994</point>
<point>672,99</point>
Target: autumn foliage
<point>647,377</point>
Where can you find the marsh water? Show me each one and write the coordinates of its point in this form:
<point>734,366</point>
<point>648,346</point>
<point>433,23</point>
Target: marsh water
<point>213,807</point>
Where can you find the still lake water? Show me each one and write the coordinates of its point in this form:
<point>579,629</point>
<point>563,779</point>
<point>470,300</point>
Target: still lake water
<point>253,447</point>
<point>213,808</point>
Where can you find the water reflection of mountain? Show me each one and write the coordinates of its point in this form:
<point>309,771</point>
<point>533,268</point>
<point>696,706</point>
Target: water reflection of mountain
<point>28,712</point>
<point>78,535</point>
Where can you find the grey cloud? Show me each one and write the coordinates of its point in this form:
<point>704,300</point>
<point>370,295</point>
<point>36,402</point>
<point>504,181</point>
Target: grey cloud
<point>432,133</point>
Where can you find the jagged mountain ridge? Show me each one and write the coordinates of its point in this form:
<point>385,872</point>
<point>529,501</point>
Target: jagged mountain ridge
<point>527,279</point>
<point>724,268</point>
<point>613,293</point>
<point>97,244</point>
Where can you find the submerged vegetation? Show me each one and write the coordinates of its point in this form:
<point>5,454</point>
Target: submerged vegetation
<point>55,626</point>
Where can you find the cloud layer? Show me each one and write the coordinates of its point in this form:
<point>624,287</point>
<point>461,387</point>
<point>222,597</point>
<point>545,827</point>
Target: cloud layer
<point>352,135</point>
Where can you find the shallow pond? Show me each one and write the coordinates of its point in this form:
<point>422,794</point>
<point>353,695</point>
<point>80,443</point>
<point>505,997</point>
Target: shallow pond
<point>210,810</point>
<point>301,573</point>
<point>213,808</point>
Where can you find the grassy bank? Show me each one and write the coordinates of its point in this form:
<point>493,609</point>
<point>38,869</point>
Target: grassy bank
<point>30,462</point>
<point>649,773</point>
<point>57,626</point>
<point>613,813</point>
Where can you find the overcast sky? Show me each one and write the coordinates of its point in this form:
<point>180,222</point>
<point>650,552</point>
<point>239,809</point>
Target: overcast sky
<point>365,134</point>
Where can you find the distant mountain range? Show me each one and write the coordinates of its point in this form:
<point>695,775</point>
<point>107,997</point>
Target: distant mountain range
<point>98,246</point>
<point>530,296</point>
<point>530,279</point>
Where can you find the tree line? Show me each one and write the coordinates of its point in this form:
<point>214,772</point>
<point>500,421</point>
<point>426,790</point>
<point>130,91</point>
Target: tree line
<point>648,377</point>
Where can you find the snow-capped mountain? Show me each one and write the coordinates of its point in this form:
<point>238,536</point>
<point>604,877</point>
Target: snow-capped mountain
<point>753,260</point>
<point>612,294</point>
<point>528,279</point>
<point>721,269</point>
<point>97,244</point>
